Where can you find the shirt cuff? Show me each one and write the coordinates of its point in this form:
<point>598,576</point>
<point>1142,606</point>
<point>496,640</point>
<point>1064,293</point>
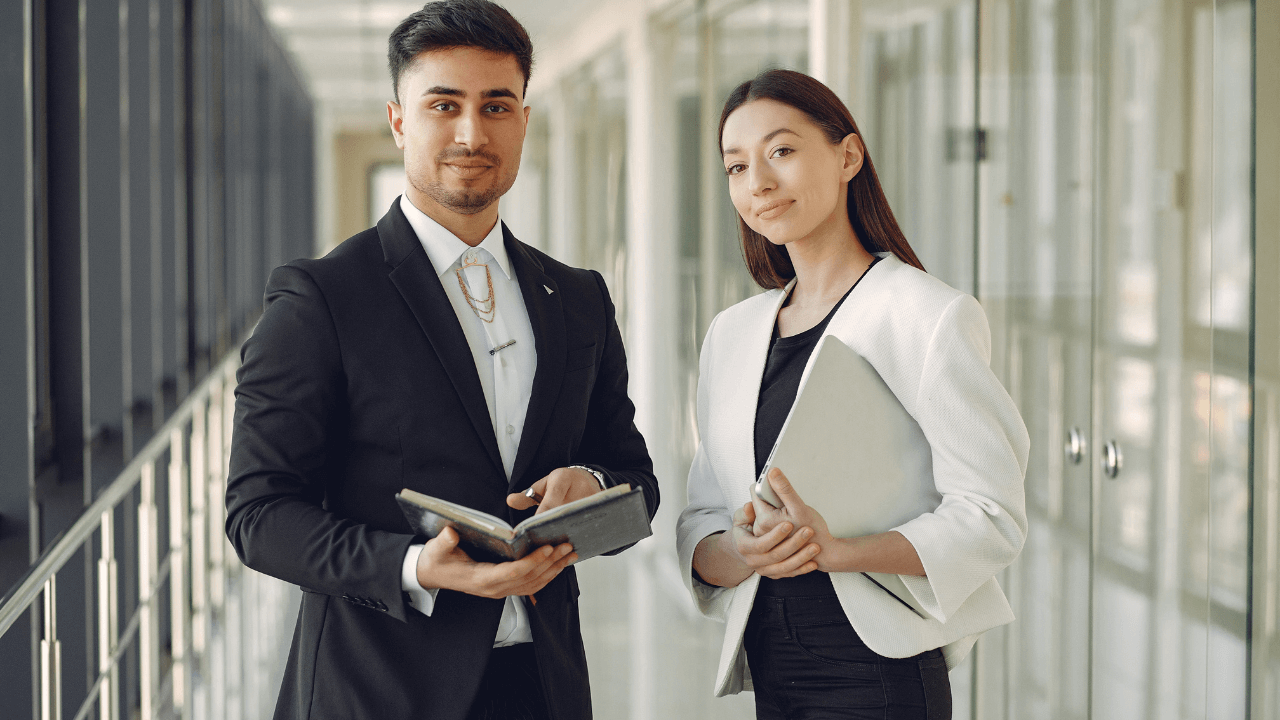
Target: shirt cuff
<point>421,599</point>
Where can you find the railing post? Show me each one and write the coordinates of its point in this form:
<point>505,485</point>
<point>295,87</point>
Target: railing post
<point>219,657</point>
<point>108,631</point>
<point>148,620</point>
<point>199,557</point>
<point>51,656</point>
<point>179,610</point>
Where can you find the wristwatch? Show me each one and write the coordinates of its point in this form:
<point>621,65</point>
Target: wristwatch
<point>598,475</point>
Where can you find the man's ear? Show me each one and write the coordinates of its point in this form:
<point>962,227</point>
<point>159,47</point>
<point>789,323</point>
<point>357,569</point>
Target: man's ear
<point>395,117</point>
<point>853,152</point>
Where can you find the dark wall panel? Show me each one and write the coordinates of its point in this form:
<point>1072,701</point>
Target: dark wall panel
<point>159,167</point>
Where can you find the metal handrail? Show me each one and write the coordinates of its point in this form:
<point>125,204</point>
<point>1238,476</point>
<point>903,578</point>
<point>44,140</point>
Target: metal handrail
<point>216,668</point>
<point>20,598</point>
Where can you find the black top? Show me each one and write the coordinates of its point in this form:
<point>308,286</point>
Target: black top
<point>778,388</point>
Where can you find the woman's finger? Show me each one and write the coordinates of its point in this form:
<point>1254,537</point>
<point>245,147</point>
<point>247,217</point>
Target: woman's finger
<point>790,547</point>
<point>804,569</point>
<point>783,489</point>
<point>752,545</point>
<point>790,564</point>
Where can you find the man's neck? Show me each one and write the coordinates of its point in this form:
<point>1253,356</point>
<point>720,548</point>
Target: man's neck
<point>470,229</point>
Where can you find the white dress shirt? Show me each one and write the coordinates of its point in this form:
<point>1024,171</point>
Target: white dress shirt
<point>506,376</point>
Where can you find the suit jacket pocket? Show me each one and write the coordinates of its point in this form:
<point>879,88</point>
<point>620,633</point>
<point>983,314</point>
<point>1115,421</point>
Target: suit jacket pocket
<point>579,358</point>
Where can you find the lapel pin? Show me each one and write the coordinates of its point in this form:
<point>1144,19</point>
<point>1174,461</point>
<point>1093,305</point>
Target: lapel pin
<point>549,290</point>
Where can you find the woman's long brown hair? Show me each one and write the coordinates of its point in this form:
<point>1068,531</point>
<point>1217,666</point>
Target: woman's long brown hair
<point>869,213</point>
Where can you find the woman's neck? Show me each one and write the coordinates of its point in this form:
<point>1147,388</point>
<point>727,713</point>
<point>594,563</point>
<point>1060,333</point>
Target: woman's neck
<point>827,263</point>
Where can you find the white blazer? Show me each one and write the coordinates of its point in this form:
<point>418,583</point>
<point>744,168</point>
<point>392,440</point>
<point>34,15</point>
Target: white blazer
<point>932,346</point>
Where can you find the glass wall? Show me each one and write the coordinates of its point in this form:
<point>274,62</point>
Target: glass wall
<point>1115,264</point>
<point>1087,170</point>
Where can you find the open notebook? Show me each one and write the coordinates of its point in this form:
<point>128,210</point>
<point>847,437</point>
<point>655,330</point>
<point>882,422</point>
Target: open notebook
<point>854,453</point>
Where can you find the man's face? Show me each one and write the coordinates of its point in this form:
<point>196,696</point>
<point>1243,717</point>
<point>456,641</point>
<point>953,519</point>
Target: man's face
<point>461,122</point>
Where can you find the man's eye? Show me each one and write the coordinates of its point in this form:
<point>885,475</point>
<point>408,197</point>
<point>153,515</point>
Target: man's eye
<point>443,106</point>
<point>496,109</point>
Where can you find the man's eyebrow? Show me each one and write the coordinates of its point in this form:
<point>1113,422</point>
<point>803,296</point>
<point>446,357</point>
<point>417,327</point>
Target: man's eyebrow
<point>455,92</point>
<point>499,92</point>
<point>442,90</point>
<point>765,139</point>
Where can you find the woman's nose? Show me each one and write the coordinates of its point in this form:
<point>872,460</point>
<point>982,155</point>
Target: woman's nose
<point>761,181</point>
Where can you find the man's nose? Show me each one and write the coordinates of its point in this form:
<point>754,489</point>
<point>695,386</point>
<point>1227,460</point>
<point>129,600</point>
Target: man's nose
<point>469,131</point>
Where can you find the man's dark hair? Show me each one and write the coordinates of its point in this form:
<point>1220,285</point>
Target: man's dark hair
<point>458,23</point>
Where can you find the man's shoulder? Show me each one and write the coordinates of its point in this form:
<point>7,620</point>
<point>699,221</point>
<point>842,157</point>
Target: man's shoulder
<point>361,251</point>
<point>555,269</point>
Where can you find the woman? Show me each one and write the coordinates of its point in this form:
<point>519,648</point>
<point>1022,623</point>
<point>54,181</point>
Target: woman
<point>805,629</point>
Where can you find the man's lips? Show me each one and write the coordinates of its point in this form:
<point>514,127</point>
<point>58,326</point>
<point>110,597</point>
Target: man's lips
<point>771,210</point>
<point>469,170</point>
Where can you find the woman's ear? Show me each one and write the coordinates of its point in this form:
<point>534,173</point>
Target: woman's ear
<point>853,152</point>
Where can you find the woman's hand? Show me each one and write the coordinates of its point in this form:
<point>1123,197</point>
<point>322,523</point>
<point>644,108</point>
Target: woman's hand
<point>794,513</point>
<point>886,552</point>
<point>778,553</point>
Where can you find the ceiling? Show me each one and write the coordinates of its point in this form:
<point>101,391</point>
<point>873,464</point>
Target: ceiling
<point>341,47</point>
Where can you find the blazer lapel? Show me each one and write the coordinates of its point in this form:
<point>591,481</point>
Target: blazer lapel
<point>743,393</point>
<point>546,316</point>
<point>418,283</point>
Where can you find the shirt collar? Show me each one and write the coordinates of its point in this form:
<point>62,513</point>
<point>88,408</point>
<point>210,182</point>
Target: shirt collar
<point>444,248</point>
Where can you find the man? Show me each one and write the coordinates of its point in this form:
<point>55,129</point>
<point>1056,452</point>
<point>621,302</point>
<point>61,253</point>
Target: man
<point>434,352</point>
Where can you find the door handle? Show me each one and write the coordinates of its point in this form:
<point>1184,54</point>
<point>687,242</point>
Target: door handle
<point>1075,446</point>
<point>1112,459</point>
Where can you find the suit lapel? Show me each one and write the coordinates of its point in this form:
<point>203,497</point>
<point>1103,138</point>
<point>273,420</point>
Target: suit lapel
<point>418,283</point>
<point>742,393</point>
<point>546,316</point>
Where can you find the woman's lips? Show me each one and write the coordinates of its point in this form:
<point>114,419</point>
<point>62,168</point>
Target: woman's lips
<point>774,209</point>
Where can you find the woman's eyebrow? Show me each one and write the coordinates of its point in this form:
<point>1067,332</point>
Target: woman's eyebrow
<point>765,139</point>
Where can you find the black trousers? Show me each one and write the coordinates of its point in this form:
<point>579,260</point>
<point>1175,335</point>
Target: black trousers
<point>511,688</point>
<point>808,663</point>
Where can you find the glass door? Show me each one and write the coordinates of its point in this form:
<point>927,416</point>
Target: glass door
<point>1036,202</point>
<point>1115,264</point>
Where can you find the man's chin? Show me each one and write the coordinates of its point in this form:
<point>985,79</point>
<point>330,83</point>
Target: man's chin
<point>463,202</point>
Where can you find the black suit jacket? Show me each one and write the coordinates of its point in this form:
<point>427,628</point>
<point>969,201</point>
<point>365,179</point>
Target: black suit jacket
<point>358,382</point>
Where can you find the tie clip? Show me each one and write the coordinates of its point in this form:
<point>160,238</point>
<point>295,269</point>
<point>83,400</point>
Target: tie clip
<point>503,346</point>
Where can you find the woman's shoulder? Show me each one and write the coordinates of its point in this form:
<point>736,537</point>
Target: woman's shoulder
<point>909,288</point>
<point>905,296</point>
<point>745,313</point>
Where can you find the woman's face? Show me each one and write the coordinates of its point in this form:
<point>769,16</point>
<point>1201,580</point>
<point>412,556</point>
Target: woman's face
<point>786,178</point>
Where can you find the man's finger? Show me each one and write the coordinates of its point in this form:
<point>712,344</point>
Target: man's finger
<point>524,501</point>
<point>554,494</point>
<point>448,539</point>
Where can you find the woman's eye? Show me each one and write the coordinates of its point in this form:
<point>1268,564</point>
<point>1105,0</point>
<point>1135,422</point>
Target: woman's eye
<point>782,152</point>
<point>734,169</point>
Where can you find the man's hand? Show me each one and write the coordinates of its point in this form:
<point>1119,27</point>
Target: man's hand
<point>777,553</point>
<point>443,565</point>
<point>563,485</point>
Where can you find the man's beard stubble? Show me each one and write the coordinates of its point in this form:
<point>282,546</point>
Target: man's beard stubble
<point>465,202</point>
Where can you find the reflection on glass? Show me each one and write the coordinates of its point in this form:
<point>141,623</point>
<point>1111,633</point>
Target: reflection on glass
<point>596,99</point>
<point>915,106</point>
